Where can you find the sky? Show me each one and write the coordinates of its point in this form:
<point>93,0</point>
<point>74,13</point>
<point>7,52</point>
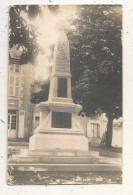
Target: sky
<point>49,26</point>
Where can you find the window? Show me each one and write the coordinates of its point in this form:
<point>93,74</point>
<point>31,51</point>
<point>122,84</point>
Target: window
<point>12,111</point>
<point>17,68</point>
<point>11,91</point>
<point>11,83</point>
<point>62,87</point>
<point>12,119</point>
<point>11,80</point>
<point>11,67</point>
<point>13,122</point>
<point>17,87</point>
<point>61,120</point>
<point>8,121</point>
<point>16,91</point>
<point>14,68</point>
<point>17,81</point>
<point>14,86</point>
<point>95,130</point>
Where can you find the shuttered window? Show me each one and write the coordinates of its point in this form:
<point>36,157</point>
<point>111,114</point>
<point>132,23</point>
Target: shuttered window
<point>11,85</point>
<point>14,86</point>
<point>17,87</point>
<point>11,80</point>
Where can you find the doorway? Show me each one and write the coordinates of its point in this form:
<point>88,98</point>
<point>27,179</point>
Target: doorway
<point>95,130</point>
<point>12,123</point>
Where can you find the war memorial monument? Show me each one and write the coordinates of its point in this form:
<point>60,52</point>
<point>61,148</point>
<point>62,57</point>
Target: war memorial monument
<point>59,142</point>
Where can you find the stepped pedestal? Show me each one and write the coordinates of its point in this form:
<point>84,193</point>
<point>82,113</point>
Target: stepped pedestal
<point>62,160</point>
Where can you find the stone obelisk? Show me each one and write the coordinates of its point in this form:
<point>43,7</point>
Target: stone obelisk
<point>59,127</point>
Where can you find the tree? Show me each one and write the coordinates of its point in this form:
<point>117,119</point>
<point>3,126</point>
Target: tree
<point>96,60</point>
<point>23,34</point>
<point>42,94</point>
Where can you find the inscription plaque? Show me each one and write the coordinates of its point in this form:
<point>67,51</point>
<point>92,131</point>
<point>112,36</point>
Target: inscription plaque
<point>62,87</point>
<point>61,120</point>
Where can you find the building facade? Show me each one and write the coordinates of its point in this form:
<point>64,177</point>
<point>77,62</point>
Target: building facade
<point>20,110</point>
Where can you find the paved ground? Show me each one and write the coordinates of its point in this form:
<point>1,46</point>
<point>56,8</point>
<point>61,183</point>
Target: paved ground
<point>45,178</point>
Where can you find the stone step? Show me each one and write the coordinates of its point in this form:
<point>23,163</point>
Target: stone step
<point>64,167</point>
<point>42,159</point>
<point>59,153</point>
<point>62,160</point>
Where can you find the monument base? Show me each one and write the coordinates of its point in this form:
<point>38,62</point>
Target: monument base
<point>61,152</point>
<point>65,167</point>
<point>54,141</point>
<point>62,160</point>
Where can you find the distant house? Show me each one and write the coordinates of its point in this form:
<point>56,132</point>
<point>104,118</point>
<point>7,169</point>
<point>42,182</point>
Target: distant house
<point>96,127</point>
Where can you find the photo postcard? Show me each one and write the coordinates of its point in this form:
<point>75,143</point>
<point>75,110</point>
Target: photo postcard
<point>65,94</point>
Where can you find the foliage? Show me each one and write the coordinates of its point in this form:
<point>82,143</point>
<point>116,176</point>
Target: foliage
<point>23,34</point>
<point>42,94</point>
<point>96,59</point>
<point>96,62</point>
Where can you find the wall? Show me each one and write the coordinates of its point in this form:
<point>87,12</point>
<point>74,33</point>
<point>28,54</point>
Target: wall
<point>117,140</point>
<point>27,81</point>
<point>21,102</point>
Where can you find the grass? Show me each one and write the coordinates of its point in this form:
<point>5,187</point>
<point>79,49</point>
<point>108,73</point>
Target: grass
<point>45,178</point>
<point>111,152</point>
